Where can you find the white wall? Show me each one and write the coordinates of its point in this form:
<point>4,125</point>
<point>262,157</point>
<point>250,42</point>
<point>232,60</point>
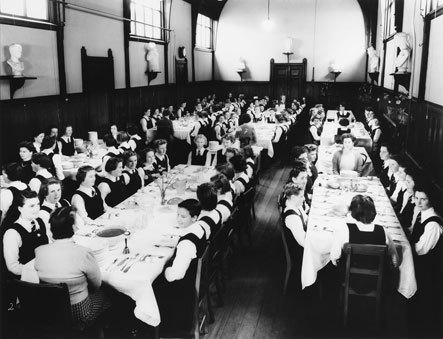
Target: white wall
<point>97,34</point>
<point>434,84</point>
<point>203,65</point>
<point>39,56</point>
<point>138,64</point>
<point>181,36</point>
<point>336,26</point>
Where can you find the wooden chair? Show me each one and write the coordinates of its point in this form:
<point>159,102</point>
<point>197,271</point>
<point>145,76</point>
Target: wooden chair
<point>45,308</point>
<point>288,256</point>
<point>369,273</point>
<point>200,316</point>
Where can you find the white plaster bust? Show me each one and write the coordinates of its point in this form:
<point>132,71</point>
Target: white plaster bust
<point>373,60</point>
<point>152,58</point>
<point>402,42</point>
<point>17,67</point>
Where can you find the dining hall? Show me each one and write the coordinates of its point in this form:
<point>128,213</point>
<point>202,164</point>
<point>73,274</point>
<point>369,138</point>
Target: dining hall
<point>221,169</point>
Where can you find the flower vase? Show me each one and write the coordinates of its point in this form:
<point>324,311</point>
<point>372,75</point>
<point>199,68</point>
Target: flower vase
<point>163,196</point>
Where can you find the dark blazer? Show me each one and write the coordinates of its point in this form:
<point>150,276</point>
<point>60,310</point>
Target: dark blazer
<point>165,129</point>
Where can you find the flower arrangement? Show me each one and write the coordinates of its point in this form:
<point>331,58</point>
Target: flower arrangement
<point>396,107</point>
<point>163,182</point>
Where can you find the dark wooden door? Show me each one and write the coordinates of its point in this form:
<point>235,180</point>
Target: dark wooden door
<point>288,79</point>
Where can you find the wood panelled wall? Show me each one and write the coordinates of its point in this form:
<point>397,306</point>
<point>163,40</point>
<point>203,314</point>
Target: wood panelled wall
<point>421,139</point>
<point>20,118</point>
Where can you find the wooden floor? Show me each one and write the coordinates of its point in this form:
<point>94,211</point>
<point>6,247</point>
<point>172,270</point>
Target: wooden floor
<point>254,306</point>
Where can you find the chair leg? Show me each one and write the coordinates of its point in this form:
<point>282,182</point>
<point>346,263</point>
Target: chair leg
<point>345,309</point>
<point>209,305</point>
<point>288,274</point>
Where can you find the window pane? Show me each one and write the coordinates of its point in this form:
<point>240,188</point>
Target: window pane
<point>15,7</point>
<point>37,9</point>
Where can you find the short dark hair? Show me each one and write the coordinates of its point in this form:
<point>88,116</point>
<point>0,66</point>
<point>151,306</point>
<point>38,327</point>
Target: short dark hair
<point>238,162</point>
<point>244,119</point>
<point>207,195</point>
<point>112,163</point>
<point>48,142</point>
<point>363,208</point>
<point>248,152</point>
<point>110,141</point>
<point>145,152</point>
<point>292,189</point>
<point>390,148</point>
<point>81,173</point>
<point>398,159</point>
<point>298,150</point>
<point>28,145</point>
<point>226,169</point>
<point>62,221</point>
<point>13,170</point>
<point>37,132</point>
<point>127,155</point>
<point>43,160</point>
<point>131,128</point>
<point>311,147</point>
<point>192,206</point>
<point>45,185</point>
<point>348,136</point>
<point>369,109</point>
<point>343,122</point>
<point>221,183</point>
<point>166,113</point>
<point>26,195</point>
<point>50,127</point>
<point>298,167</point>
<point>426,188</point>
<point>159,142</point>
<point>229,137</point>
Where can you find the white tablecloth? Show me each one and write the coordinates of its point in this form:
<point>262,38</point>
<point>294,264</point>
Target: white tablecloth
<point>80,160</point>
<point>331,114</point>
<point>357,129</point>
<point>325,154</point>
<point>265,133</point>
<point>150,224</point>
<point>322,222</point>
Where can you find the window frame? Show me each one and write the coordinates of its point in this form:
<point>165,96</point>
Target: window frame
<point>211,38</point>
<point>55,12</point>
<point>143,38</point>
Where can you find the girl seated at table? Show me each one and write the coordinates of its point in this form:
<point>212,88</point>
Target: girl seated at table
<point>385,154</point>
<point>26,150</point>
<point>26,234</point>
<point>150,167</point>
<point>248,154</point>
<point>228,171</point>
<point>342,114</point>
<point>342,129</point>
<point>312,159</point>
<point>87,199</point>
<point>10,194</point>
<point>175,290</point>
<point>280,129</point>
<point>111,183</point>
<point>199,156</point>
<point>225,195</point>
<point>133,176</point>
<point>161,157</point>
<point>362,230</point>
<point>51,199</point>
<point>400,184</point>
<point>376,134</point>
<point>299,177</point>
<point>200,125</point>
<point>316,129</point>
<point>404,207</point>
<point>227,142</point>
<point>295,220</point>
<point>394,163</point>
<point>63,261</point>
<point>246,133</point>
<point>241,179</point>
<point>38,138</point>
<point>219,127</point>
<point>347,158</point>
<point>67,142</point>
<point>48,147</point>
<point>43,168</point>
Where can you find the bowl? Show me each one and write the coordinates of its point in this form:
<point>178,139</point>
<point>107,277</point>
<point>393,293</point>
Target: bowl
<point>113,234</point>
<point>333,184</point>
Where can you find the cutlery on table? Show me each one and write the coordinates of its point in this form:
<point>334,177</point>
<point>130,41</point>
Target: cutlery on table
<point>126,249</point>
<point>130,262</point>
<point>167,246</point>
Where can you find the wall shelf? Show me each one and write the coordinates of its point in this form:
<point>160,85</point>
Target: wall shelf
<point>15,82</point>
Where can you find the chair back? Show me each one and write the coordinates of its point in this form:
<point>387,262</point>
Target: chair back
<point>45,306</point>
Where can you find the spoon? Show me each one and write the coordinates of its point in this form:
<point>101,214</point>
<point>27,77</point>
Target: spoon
<point>126,249</point>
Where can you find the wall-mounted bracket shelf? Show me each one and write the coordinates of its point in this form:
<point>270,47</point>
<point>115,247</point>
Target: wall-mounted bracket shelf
<point>15,82</point>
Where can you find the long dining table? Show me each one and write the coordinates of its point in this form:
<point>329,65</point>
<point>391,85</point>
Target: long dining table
<point>153,236</point>
<point>362,136</point>
<point>329,213</point>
